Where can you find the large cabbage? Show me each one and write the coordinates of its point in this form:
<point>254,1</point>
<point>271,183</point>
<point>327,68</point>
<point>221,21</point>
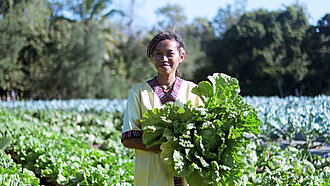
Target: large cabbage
<point>207,144</point>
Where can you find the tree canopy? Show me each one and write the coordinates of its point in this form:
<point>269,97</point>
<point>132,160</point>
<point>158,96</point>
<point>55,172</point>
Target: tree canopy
<point>264,49</point>
<point>45,54</point>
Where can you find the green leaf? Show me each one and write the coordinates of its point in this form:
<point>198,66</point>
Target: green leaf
<point>195,179</point>
<point>4,142</point>
<point>167,153</point>
<point>153,138</point>
<point>181,167</point>
<point>168,134</point>
<point>204,90</point>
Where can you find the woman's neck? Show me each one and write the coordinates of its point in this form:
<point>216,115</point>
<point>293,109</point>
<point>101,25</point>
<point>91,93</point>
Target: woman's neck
<point>165,80</point>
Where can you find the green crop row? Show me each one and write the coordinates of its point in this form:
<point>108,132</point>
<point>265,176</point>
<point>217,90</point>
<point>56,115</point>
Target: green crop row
<point>13,174</point>
<point>59,153</point>
<point>290,166</point>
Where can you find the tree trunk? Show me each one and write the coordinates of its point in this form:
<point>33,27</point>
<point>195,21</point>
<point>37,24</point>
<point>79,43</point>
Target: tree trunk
<point>279,86</point>
<point>13,95</point>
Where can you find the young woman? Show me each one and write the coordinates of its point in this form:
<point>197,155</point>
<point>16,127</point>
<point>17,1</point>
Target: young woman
<point>167,51</point>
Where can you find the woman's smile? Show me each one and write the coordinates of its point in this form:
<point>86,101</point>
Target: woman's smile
<point>162,64</point>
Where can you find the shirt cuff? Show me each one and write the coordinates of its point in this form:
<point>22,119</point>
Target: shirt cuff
<point>131,134</point>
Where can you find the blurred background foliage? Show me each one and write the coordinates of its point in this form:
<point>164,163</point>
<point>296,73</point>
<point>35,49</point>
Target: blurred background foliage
<point>47,55</point>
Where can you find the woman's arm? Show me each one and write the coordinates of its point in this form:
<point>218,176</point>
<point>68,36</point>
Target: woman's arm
<point>136,143</point>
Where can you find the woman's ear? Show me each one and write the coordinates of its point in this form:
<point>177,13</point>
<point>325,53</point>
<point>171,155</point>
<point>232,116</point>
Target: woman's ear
<point>182,54</point>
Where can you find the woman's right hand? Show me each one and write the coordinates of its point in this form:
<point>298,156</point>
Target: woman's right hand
<point>136,143</point>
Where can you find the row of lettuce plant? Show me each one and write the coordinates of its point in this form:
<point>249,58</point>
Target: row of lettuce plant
<point>58,152</point>
<point>12,173</point>
<point>289,166</point>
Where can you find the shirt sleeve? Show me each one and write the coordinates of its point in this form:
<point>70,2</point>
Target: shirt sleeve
<point>132,116</point>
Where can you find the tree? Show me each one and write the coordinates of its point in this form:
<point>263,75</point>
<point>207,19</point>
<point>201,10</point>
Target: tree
<point>58,57</point>
<point>195,36</point>
<point>171,17</point>
<point>18,24</point>
<point>91,10</point>
<point>317,45</point>
<point>263,51</point>
<point>139,66</point>
<point>11,41</point>
<point>226,17</point>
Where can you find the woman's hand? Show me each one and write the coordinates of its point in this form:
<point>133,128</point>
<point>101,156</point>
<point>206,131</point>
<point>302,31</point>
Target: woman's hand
<point>136,143</point>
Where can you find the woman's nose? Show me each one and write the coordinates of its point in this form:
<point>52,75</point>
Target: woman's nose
<point>164,58</point>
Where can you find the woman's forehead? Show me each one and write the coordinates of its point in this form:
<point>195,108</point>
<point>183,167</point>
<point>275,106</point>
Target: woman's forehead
<point>166,45</point>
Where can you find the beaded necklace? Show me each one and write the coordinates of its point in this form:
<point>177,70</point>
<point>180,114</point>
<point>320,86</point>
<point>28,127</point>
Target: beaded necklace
<point>167,90</point>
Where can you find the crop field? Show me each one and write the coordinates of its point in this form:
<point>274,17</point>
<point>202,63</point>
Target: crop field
<point>77,142</point>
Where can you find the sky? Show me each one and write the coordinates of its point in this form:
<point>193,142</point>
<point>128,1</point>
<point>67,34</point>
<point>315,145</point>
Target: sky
<point>145,9</point>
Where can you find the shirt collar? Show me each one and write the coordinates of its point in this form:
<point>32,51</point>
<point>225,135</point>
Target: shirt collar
<point>164,98</point>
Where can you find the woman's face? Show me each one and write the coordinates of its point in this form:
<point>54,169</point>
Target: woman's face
<point>166,57</point>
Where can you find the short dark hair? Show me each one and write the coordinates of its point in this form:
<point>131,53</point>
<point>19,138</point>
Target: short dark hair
<point>163,35</point>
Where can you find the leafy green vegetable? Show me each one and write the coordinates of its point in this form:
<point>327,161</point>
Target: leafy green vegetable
<point>205,144</point>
